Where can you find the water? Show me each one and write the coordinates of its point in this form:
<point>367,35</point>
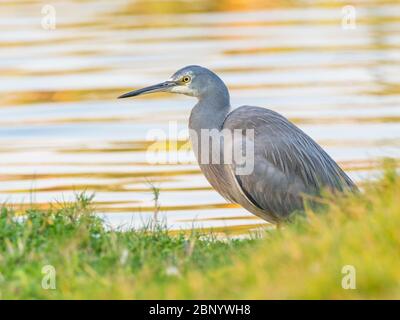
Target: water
<point>62,130</point>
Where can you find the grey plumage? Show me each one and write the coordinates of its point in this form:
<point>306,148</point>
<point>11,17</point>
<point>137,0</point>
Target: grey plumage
<point>288,164</point>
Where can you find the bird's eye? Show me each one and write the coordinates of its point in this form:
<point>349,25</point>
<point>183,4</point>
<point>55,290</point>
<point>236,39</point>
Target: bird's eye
<point>186,79</point>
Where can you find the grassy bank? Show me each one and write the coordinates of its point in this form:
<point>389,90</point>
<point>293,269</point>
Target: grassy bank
<point>306,259</point>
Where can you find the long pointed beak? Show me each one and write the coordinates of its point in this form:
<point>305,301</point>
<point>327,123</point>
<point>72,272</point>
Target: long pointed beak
<point>163,86</point>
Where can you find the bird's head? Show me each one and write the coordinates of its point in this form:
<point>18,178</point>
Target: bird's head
<point>193,81</point>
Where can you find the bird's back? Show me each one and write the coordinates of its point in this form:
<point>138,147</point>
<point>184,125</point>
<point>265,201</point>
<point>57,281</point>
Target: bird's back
<point>287,163</point>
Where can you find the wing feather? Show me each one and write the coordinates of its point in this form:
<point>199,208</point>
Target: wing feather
<point>287,162</point>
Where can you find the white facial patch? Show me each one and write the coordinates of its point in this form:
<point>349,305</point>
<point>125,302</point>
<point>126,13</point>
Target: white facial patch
<point>183,89</point>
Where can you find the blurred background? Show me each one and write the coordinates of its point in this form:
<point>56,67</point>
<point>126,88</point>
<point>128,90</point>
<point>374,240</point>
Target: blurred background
<point>332,69</point>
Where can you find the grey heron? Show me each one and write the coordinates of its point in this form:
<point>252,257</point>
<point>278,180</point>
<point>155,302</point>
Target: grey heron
<point>287,163</point>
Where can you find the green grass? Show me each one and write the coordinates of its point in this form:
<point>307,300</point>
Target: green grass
<point>304,259</point>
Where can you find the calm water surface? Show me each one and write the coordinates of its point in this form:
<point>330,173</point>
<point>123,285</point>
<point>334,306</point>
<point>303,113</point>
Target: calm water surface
<point>62,130</point>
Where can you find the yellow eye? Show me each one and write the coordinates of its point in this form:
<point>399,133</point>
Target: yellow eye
<point>186,79</point>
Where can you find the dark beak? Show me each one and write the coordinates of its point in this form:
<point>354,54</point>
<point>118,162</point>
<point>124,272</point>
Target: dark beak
<point>164,86</point>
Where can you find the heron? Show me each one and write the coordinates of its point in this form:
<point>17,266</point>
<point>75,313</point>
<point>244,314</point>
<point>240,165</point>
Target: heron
<point>288,165</point>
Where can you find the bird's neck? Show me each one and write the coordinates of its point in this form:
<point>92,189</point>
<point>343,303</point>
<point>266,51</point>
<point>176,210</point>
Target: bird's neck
<point>207,116</point>
<point>210,112</point>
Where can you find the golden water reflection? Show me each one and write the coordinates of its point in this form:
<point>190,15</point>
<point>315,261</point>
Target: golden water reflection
<point>62,131</point>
